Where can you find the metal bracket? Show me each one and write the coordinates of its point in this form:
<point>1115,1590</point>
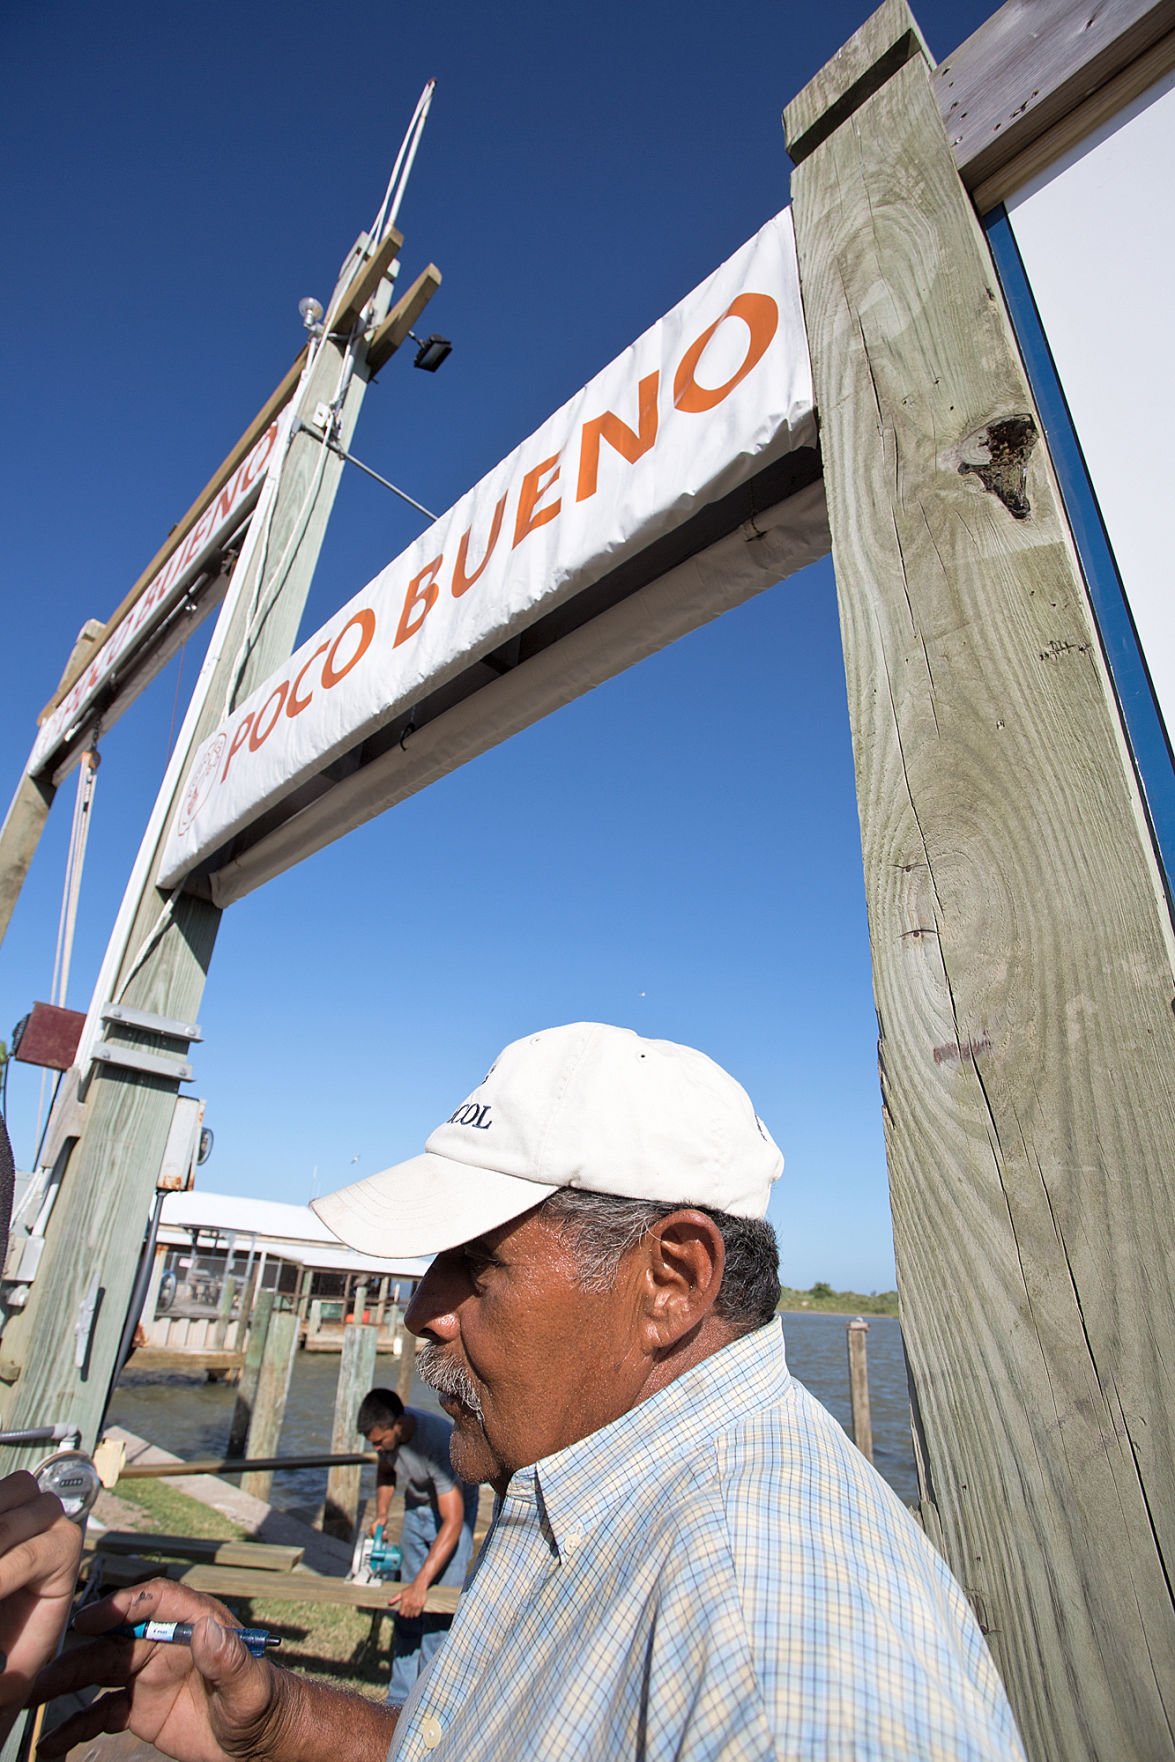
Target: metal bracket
<point>133,1058</point>
<point>151,1024</point>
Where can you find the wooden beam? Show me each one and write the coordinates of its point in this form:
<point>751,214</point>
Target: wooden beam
<point>1010,175</point>
<point>292,1587</point>
<point>403,315</point>
<point>25,820</point>
<point>1022,948</point>
<point>276,402</point>
<point>1029,65</point>
<point>365,285</point>
<point>263,1556</point>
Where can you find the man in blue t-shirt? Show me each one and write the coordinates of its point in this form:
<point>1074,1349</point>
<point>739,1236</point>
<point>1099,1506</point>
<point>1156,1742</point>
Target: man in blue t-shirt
<point>439,1513</point>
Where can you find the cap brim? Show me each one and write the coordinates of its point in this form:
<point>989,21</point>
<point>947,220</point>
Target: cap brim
<point>424,1206</point>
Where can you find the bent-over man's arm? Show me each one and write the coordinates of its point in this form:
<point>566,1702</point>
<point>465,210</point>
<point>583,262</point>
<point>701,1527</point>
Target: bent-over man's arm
<point>451,1508</point>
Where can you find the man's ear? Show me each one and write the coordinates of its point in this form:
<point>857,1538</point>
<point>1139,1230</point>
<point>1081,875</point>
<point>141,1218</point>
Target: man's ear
<point>683,1260</point>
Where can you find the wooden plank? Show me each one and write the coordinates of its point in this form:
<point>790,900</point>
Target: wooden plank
<point>356,1377</point>
<point>403,315</point>
<point>366,283</point>
<point>234,1465</point>
<point>1072,128</point>
<point>25,820</point>
<point>293,1587</point>
<point>276,402</point>
<point>269,1407</point>
<point>165,1358</point>
<point>1022,950</point>
<point>1030,64</point>
<point>263,1556</point>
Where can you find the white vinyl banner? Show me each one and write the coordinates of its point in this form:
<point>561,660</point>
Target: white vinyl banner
<point>216,523</point>
<point>703,401</point>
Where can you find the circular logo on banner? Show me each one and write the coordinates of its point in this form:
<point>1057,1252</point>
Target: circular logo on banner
<point>199,784</point>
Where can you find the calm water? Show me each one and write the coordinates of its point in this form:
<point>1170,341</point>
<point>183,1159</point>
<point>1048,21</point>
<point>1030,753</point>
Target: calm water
<point>191,1418</point>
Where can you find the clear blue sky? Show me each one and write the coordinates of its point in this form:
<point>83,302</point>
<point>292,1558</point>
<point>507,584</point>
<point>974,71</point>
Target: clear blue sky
<point>677,852</point>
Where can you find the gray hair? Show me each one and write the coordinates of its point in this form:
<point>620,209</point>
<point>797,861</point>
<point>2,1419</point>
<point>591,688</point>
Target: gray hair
<point>604,1227</point>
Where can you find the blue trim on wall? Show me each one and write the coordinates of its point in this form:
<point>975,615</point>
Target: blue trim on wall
<point>1136,699</point>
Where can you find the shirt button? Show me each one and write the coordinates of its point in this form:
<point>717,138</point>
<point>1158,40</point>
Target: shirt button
<point>431,1732</point>
<point>572,1539</point>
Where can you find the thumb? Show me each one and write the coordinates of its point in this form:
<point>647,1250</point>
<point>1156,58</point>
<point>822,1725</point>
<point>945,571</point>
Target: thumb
<point>228,1667</point>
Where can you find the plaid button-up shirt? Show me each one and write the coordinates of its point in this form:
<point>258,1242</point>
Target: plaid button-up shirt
<point>719,1573</point>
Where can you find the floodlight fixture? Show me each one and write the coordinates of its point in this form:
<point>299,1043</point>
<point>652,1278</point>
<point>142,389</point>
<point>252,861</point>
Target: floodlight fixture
<point>431,352</point>
<point>311,313</point>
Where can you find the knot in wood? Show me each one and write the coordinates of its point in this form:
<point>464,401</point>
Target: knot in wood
<point>998,455</point>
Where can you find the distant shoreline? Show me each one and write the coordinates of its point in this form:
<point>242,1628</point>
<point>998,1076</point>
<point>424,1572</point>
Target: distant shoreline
<point>823,1309</point>
<point>821,1299</point>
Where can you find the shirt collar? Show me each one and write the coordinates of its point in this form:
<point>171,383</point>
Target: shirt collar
<point>574,1488</point>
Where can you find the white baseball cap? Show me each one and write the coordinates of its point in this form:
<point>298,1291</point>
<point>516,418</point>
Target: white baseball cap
<point>580,1106</point>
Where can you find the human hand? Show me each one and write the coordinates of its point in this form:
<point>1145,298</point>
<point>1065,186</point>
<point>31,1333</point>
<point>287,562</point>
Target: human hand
<point>410,1601</point>
<point>206,1702</point>
<point>39,1551</point>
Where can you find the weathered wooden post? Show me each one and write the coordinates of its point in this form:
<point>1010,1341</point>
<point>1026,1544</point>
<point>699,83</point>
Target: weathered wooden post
<point>859,1386</point>
<point>356,1377</point>
<point>224,1310</point>
<point>245,1318</point>
<point>250,1373</point>
<point>1022,950</point>
<point>269,1407</point>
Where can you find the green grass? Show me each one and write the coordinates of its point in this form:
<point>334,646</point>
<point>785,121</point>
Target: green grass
<point>171,1513</point>
<point>822,1300</point>
<point>350,1648</point>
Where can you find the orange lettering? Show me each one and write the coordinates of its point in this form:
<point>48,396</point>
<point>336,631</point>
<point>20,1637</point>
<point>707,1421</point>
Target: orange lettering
<point>618,435</point>
<point>239,739</point>
<point>295,704</point>
<point>535,485</point>
<point>331,674</point>
<point>258,737</point>
<point>760,314</point>
<point>409,625</point>
<point>459,575</point>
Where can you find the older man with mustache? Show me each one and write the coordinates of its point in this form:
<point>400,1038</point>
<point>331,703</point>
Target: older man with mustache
<point>688,1559</point>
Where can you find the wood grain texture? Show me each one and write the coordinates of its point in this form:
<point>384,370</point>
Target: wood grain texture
<point>1030,64</point>
<point>1075,125</point>
<point>269,1405</point>
<point>1022,954</point>
<point>887,39</point>
<point>356,1377</point>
